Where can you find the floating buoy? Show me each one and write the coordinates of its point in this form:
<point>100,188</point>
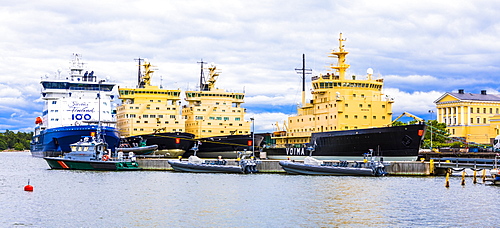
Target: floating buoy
<point>28,187</point>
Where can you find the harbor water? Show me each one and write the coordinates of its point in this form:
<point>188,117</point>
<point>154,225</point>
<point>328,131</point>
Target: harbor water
<point>65,198</point>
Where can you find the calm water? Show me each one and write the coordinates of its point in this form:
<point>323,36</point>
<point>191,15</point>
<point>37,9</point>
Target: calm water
<point>159,199</point>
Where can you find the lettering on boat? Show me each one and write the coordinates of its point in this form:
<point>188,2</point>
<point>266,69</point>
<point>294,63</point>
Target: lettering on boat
<point>295,151</point>
<point>80,107</point>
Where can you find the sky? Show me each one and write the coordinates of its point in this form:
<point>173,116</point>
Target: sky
<point>422,49</point>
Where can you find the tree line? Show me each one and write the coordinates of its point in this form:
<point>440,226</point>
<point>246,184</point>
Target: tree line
<point>19,141</point>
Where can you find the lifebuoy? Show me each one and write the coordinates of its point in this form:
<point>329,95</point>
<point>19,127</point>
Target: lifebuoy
<point>105,157</point>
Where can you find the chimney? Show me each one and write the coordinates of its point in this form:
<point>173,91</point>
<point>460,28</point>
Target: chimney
<point>461,91</point>
<point>483,92</point>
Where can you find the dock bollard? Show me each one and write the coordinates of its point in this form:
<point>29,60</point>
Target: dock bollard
<point>447,183</point>
<point>463,177</point>
<point>431,166</point>
<point>474,180</point>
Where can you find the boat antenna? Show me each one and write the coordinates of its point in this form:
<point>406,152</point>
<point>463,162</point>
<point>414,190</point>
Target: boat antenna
<point>139,72</point>
<point>303,71</point>
<point>202,77</point>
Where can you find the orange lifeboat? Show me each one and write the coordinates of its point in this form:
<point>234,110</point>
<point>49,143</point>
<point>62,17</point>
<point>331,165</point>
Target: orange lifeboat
<point>38,120</point>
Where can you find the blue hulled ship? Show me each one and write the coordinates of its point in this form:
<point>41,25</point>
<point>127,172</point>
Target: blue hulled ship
<point>73,106</point>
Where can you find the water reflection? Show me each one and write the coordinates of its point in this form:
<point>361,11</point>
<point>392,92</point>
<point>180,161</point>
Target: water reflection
<point>156,199</point>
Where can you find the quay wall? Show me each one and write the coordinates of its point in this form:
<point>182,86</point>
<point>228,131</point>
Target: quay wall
<point>272,166</point>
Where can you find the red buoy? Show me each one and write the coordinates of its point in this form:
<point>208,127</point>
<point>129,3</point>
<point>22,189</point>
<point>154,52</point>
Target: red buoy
<point>28,187</point>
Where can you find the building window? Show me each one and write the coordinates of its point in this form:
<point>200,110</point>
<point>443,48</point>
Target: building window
<point>374,117</point>
<point>355,116</point>
<point>365,117</point>
<point>471,110</point>
<point>383,106</point>
<point>477,110</point>
<point>360,105</point>
<point>471,120</point>
<point>491,110</point>
<point>346,116</point>
<point>484,120</point>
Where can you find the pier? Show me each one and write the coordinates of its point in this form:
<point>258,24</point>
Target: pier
<point>412,168</point>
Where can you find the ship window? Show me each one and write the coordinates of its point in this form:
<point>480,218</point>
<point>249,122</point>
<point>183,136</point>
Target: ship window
<point>374,117</point>
<point>240,125</point>
<point>362,95</point>
<point>209,130</point>
<point>346,127</point>
<point>146,121</point>
<point>354,95</point>
<point>144,116</point>
<point>226,118</point>
<point>360,105</point>
<point>166,122</point>
<point>221,131</point>
<point>220,124</point>
<point>355,116</point>
<point>383,106</point>
<point>157,108</point>
<point>152,116</point>
<point>172,116</point>
<point>138,121</point>
<point>141,129</point>
<point>131,107</point>
<point>346,105</point>
<point>237,118</point>
<point>365,117</point>
<point>347,116</point>
<point>136,107</point>
<point>176,122</point>
<point>369,105</point>
<point>383,117</point>
<point>160,116</point>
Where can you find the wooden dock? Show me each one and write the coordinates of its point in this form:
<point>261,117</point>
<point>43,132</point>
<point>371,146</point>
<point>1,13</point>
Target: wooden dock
<point>272,166</point>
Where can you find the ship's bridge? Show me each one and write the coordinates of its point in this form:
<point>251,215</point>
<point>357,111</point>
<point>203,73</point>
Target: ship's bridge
<point>330,81</point>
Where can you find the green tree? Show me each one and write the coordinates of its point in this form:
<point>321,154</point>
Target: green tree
<point>19,147</point>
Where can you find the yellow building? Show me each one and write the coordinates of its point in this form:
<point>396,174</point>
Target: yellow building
<point>148,109</point>
<point>473,117</point>
<point>214,112</point>
<point>339,102</point>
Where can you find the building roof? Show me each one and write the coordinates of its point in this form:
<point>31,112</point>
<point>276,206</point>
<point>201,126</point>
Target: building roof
<point>471,97</point>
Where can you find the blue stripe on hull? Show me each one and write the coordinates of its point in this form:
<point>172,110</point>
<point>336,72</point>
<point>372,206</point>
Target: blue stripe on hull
<point>55,141</point>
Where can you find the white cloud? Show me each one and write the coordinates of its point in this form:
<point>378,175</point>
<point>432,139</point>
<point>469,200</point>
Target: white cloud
<point>439,46</point>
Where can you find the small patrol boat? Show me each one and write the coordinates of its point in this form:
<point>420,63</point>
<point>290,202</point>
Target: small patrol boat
<point>196,165</point>
<point>312,166</point>
<point>91,153</point>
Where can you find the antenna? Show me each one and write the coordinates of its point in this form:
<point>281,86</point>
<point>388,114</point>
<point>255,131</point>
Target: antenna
<point>202,77</point>
<point>139,71</point>
<point>303,78</point>
<point>161,82</point>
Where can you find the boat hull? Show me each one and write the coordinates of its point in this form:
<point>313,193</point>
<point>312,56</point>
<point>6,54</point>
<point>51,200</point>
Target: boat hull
<point>61,163</point>
<point>170,144</point>
<point>203,168</point>
<point>55,141</point>
<point>143,150</point>
<point>300,168</point>
<point>399,143</point>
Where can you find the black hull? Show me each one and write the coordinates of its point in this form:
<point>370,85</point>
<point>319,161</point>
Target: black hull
<point>393,143</point>
<point>166,141</point>
<point>226,146</point>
